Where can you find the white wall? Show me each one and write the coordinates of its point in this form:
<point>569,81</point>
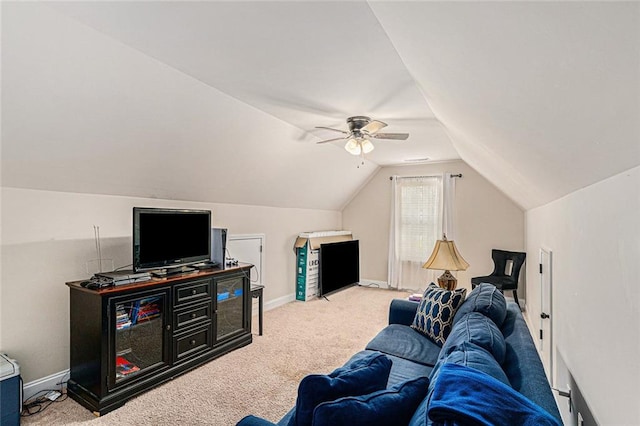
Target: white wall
<point>594,234</point>
<point>47,238</point>
<point>484,219</point>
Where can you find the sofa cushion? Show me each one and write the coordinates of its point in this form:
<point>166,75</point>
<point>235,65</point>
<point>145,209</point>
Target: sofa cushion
<point>480,330</point>
<point>407,343</point>
<point>386,407</point>
<point>364,376</point>
<point>436,311</point>
<point>487,300</point>
<point>466,396</point>
<point>474,356</point>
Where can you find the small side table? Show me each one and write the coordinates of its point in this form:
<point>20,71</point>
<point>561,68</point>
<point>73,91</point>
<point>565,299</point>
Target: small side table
<point>256,292</point>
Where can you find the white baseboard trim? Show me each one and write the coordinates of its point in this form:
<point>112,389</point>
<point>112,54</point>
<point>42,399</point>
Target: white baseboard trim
<point>272,304</point>
<point>46,383</point>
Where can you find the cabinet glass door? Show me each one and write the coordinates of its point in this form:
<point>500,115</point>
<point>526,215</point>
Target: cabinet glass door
<point>139,336</point>
<point>230,310</point>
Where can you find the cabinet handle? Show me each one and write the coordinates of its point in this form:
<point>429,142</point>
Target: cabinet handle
<point>168,327</point>
<point>194,291</point>
<point>194,315</point>
<point>193,342</point>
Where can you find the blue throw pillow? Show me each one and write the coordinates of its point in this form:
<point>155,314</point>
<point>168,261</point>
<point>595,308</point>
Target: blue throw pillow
<point>436,311</point>
<point>369,374</point>
<point>357,361</point>
<point>480,330</point>
<point>393,406</point>
<point>487,300</point>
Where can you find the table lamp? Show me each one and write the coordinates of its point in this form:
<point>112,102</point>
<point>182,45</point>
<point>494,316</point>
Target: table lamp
<point>446,257</point>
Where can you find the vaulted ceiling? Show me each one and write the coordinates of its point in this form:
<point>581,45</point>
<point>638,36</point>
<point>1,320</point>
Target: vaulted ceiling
<point>218,101</point>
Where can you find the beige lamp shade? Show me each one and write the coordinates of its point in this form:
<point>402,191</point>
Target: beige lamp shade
<point>446,257</point>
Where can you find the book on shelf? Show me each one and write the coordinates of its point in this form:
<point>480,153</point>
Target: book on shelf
<point>148,312</point>
<point>122,318</point>
<point>124,367</point>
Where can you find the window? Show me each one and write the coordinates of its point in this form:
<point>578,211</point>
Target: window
<point>416,225</point>
<point>419,211</point>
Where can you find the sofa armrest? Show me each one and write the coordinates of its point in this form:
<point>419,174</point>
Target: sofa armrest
<point>402,311</point>
<point>254,421</point>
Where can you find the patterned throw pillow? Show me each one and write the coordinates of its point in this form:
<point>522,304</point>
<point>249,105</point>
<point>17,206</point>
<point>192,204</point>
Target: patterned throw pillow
<point>436,311</point>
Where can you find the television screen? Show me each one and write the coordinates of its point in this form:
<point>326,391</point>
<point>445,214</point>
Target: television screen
<point>168,238</point>
<point>339,266</point>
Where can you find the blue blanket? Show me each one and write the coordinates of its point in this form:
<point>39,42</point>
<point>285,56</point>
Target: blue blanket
<point>466,396</point>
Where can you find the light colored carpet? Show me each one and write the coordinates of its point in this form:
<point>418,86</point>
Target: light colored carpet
<point>300,338</point>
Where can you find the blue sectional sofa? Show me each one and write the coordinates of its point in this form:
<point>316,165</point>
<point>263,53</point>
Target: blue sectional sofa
<point>487,372</point>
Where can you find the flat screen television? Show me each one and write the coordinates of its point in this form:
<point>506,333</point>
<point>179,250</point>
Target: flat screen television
<point>339,266</point>
<point>170,239</point>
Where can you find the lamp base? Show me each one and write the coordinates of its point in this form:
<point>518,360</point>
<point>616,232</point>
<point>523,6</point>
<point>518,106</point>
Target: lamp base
<point>447,281</point>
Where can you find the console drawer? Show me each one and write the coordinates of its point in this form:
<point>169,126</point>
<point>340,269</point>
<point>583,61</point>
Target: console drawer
<point>189,344</point>
<point>192,315</point>
<point>192,292</point>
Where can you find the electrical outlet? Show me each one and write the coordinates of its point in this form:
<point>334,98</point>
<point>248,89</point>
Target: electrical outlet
<point>580,419</point>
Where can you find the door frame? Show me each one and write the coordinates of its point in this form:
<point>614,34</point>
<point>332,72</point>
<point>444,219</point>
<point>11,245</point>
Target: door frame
<point>546,307</point>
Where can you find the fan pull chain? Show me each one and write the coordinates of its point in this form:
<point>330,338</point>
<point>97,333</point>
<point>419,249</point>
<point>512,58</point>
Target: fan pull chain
<point>361,154</point>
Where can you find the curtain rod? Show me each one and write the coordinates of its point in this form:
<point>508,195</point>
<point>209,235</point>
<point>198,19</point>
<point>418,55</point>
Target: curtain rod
<point>459,175</point>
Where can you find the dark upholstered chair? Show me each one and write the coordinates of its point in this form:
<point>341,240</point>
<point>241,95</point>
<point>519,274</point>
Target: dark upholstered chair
<point>499,276</point>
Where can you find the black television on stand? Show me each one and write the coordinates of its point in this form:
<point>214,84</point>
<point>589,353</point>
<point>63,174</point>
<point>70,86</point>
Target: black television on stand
<point>168,241</point>
<point>339,266</point>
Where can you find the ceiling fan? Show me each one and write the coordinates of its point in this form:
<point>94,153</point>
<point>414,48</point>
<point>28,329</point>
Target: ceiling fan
<point>361,130</point>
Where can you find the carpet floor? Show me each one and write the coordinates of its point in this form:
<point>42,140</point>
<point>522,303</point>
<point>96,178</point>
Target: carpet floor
<point>300,338</point>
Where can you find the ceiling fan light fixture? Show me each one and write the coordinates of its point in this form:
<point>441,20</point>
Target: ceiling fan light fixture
<point>353,147</point>
<point>367,146</point>
<point>362,128</point>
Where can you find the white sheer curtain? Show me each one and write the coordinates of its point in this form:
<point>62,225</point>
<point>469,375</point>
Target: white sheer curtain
<point>449,196</point>
<point>416,224</point>
<point>422,211</point>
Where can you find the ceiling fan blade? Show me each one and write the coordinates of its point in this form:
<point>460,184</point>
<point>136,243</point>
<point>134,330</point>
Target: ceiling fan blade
<point>331,140</point>
<point>330,128</point>
<point>373,126</point>
<point>396,136</point>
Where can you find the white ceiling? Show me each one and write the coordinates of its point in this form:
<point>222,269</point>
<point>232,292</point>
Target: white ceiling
<point>217,101</point>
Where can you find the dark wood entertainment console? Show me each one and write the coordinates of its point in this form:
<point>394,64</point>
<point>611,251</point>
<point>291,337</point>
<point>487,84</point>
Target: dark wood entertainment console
<point>129,338</point>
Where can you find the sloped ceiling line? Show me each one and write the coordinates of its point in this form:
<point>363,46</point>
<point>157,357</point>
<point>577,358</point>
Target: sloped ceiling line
<point>541,98</point>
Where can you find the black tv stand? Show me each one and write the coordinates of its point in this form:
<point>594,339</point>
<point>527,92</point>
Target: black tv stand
<point>126,339</point>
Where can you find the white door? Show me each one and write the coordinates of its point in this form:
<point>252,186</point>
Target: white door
<point>248,248</point>
<point>546,317</point>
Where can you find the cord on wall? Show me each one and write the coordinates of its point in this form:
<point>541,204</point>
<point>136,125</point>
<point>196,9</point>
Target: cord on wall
<point>99,262</point>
